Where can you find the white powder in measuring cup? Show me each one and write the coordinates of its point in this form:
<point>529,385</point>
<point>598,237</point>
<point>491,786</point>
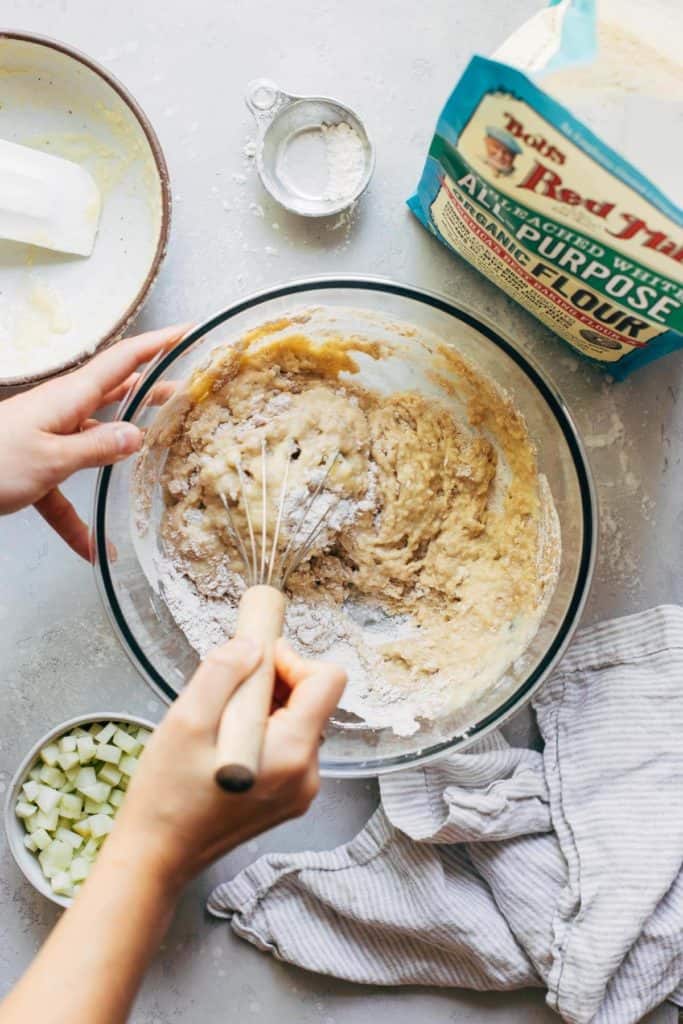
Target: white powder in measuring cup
<point>345,156</point>
<point>324,162</point>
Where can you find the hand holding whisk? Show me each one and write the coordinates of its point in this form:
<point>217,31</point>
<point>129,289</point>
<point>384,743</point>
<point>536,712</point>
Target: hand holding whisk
<point>261,614</point>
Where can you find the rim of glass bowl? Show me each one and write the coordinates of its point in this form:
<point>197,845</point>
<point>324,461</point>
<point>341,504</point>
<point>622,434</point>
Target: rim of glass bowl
<point>373,766</point>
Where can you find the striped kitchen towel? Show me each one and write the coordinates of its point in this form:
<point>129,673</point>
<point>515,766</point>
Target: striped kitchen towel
<point>499,867</point>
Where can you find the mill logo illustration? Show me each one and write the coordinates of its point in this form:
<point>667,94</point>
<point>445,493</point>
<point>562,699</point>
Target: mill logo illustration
<point>501,149</point>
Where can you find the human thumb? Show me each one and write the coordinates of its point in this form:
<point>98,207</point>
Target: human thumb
<point>99,446</point>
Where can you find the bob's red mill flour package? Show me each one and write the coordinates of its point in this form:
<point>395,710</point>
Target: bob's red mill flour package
<point>557,170</point>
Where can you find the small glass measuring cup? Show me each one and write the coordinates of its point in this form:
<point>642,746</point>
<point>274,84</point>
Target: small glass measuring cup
<point>298,139</point>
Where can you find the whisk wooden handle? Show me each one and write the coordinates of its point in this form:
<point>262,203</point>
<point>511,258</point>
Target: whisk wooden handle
<point>240,735</point>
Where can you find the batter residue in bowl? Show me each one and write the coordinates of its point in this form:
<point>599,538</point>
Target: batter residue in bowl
<point>440,549</point>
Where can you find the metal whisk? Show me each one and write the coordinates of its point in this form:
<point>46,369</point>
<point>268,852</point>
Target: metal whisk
<point>261,615</point>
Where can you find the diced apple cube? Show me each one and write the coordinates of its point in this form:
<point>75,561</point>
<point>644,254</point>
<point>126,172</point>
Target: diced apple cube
<point>79,731</point>
<point>107,752</point>
<point>24,809</point>
<point>30,790</point>
<point>47,820</point>
<point>86,777</point>
<point>80,869</point>
<point>99,792</point>
<point>125,741</point>
<point>41,838</point>
<point>34,774</point>
<point>61,884</point>
<point>90,849</point>
<point>143,736</point>
<point>68,760</point>
<point>116,797</point>
<point>101,825</point>
<point>109,774</point>
<point>82,827</point>
<point>59,853</point>
<point>106,808</point>
<point>128,764</point>
<point>106,732</point>
<point>71,806</point>
<point>49,869</point>
<point>52,776</point>
<point>48,798</point>
<point>49,754</point>
<point>30,842</point>
<point>86,749</point>
<point>67,744</point>
<point>71,838</point>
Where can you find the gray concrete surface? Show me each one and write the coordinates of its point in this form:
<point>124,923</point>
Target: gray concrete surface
<point>395,62</point>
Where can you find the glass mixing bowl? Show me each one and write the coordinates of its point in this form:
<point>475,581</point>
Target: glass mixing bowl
<point>381,308</point>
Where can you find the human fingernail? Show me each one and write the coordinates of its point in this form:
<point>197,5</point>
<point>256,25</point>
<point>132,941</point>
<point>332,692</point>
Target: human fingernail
<point>128,438</point>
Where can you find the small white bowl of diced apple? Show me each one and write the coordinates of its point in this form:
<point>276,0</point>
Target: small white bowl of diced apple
<point>65,796</point>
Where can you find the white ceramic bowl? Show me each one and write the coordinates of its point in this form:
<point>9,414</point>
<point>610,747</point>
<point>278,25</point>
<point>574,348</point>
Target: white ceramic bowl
<point>57,310</point>
<point>26,861</point>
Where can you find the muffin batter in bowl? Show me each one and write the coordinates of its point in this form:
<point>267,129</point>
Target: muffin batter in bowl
<point>439,548</point>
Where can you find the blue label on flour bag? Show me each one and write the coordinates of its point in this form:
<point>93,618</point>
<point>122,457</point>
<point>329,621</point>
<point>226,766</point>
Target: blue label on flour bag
<point>525,192</point>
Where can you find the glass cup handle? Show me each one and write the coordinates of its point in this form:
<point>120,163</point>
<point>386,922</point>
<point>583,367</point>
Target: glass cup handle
<point>265,99</point>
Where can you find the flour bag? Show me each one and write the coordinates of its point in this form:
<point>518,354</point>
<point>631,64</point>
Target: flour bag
<point>556,170</point>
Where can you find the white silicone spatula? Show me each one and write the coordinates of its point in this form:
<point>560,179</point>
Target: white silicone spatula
<point>47,201</point>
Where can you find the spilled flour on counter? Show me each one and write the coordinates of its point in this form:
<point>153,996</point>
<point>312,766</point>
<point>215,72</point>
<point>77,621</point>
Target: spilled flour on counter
<point>431,543</point>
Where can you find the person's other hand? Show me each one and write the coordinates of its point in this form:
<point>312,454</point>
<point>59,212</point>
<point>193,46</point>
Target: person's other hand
<point>175,819</point>
<point>48,433</point>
